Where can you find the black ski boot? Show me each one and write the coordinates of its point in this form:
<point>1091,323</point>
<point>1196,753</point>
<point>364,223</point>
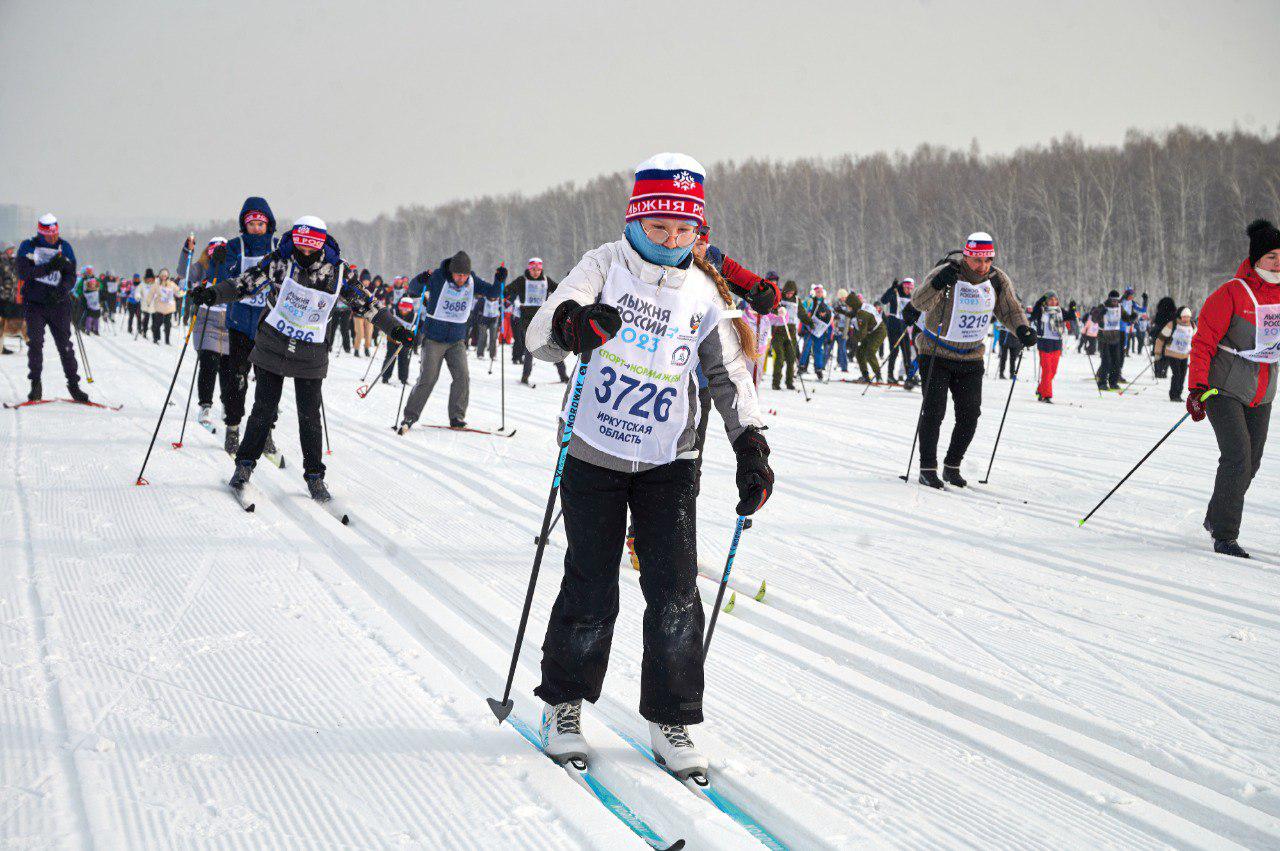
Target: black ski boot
<point>316,486</point>
<point>457,423</point>
<point>77,395</point>
<point>405,426</point>
<point>240,478</point>
<point>1230,548</point>
<point>269,448</point>
<point>951,475</point>
<point>929,476</point>
<point>36,393</point>
<point>231,441</point>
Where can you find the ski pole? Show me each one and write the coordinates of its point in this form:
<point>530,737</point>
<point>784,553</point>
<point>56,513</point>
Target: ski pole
<point>324,420</point>
<point>795,346</point>
<point>502,356</point>
<point>928,383</point>
<point>365,389</point>
<point>501,709</point>
<point>204,327</point>
<point>399,405</point>
<point>182,354</point>
<point>554,524</point>
<point>84,358</point>
<point>743,523</point>
<point>1095,371</point>
<point>374,357</point>
<point>1017,364</point>
<point>1150,363</point>
<point>1204,397</point>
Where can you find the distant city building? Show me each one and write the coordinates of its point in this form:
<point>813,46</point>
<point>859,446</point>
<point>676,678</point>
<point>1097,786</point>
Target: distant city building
<point>17,222</point>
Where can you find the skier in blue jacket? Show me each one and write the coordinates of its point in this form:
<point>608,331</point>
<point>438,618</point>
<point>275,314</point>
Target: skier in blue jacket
<point>47,266</point>
<point>446,297</point>
<point>257,239</point>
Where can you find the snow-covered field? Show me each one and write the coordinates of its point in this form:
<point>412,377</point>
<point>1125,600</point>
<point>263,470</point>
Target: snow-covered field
<point>961,669</point>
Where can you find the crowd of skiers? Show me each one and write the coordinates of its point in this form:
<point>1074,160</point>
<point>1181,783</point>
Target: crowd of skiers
<point>665,326</point>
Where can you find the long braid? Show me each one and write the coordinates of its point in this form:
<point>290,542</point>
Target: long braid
<point>746,337</point>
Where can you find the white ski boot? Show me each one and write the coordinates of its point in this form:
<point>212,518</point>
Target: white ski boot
<point>205,417</point>
<point>562,731</point>
<point>673,748</point>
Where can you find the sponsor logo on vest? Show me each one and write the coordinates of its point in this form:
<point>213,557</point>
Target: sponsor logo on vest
<point>694,322</point>
<point>680,356</point>
<point>637,369</point>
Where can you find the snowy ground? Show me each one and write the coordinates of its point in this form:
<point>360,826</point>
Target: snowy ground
<point>966,669</point>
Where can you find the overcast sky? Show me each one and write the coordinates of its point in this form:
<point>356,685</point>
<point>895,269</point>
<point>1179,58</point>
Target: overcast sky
<point>176,110</point>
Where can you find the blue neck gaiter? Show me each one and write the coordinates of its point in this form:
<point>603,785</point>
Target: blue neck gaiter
<point>650,250</point>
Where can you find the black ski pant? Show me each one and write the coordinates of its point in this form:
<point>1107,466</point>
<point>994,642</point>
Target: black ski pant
<point>266,407</point>
<point>1242,434</point>
<point>233,375</point>
<point>898,342</point>
<point>1177,378</point>
<point>575,653</point>
<point>1009,353</point>
<point>158,321</point>
<point>345,323</point>
<point>1112,361</point>
<point>57,318</point>
<point>517,338</point>
<point>135,314</point>
<point>401,354</point>
<point>208,367</point>
<point>963,380</point>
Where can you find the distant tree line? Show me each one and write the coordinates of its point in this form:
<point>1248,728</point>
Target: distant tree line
<point>1163,213</point>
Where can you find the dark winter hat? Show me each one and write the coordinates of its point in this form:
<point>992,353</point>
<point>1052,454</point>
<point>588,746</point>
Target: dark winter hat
<point>148,275</point>
<point>365,276</point>
<point>772,276</point>
<point>1113,294</point>
<point>1263,238</point>
<point>460,264</point>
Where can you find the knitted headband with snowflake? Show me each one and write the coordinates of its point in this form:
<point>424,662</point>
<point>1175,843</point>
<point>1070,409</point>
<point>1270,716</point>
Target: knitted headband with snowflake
<point>668,186</point>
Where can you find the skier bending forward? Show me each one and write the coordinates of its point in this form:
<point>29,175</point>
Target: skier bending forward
<point>306,276</point>
<point>646,313</point>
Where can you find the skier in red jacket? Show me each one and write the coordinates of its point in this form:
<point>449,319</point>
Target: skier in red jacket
<point>1235,351</point>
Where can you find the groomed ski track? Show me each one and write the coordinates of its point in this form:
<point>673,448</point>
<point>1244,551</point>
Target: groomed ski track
<point>927,670</point>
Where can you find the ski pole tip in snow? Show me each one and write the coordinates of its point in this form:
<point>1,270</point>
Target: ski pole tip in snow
<point>501,708</point>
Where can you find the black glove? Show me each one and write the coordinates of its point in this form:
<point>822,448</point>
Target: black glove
<point>945,277</point>
<point>764,296</point>
<point>755,479</point>
<point>1026,335</point>
<point>580,329</point>
<point>401,335</point>
<point>203,296</point>
<point>500,275</point>
<point>910,314</point>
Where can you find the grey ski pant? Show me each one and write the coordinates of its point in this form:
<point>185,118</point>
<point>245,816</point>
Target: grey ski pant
<point>455,356</point>
<point>1242,433</point>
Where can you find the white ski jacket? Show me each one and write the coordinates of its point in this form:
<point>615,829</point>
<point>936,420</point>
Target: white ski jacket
<point>724,365</point>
